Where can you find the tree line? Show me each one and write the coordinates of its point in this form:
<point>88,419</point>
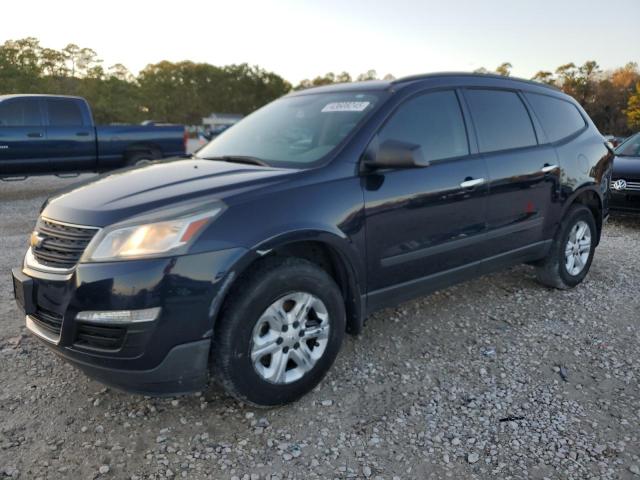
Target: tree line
<point>184,92</point>
<point>181,92</point>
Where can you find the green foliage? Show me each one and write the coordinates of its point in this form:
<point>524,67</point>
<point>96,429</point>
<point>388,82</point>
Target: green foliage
<point>633,109</point>
<point>343,77</point>
<point>504,69</point>
<point>182,92</point>
<point>604,95</point>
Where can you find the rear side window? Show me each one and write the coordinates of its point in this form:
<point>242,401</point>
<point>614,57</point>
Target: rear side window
<point>433,121</point>
<point>64,112</point>
<point>24,112</point>
<point>501,120</point>
<point>559,118</point>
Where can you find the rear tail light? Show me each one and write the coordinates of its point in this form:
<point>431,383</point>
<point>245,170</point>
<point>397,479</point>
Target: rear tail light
<point>185,140</point>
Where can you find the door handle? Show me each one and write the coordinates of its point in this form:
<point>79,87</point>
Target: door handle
<point>82,134</point>
<point>549,168</point>
<point>34,135</point>
<point>472,182</point>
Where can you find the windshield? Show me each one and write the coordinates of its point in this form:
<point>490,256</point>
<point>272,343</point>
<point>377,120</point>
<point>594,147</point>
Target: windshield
<point>293,131</point>
<point>630,147</point>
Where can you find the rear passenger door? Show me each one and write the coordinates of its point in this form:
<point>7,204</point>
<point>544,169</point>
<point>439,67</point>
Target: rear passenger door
<point>22,137</point>
<point>523,174</point>
<point>71,139</point>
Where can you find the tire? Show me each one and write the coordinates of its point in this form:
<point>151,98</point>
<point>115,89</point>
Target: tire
<point>142,158</point>
<point>244,326</point>
<point>553,271</point>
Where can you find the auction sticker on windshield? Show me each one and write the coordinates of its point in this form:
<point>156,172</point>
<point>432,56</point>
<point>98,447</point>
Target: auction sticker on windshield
<point>345,107</point>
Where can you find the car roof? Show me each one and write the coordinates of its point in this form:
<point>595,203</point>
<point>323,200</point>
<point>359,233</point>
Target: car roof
<point>487,79</point>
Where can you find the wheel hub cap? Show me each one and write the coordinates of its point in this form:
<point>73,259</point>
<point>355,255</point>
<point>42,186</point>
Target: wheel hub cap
<point>578,248</point>
<point>290,337</point>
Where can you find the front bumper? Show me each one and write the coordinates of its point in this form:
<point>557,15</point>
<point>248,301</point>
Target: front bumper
<point>625,201</point>
<point>168,355</point>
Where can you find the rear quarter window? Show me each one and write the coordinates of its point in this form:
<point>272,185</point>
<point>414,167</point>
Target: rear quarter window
<point>559,118</point>
<point>502,121</point>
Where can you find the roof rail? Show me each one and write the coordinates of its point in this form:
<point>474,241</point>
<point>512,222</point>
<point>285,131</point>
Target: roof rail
<point>425,76</point>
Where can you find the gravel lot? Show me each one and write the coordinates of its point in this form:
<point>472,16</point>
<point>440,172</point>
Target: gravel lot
<point>496,378</point>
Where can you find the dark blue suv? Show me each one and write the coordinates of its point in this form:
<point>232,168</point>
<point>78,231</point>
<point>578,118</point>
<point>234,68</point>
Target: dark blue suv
<point>249,261</point>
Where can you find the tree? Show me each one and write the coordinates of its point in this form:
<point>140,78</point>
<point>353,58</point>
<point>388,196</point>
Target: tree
<point>633,110</point>
<point>504,69</point>
<point>53,62</point>
<point>368,75</point>
<point>185,92</point>
<point>544,76</point>
<point>71,52</point>
<point>120,72</point>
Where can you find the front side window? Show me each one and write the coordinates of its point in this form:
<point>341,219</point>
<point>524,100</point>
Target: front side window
<point>296,131</point>
<point>433,121</point>
<point>24,112</point>
<point>64,112</point>
<point>559,118</point>
<point>501,120</point>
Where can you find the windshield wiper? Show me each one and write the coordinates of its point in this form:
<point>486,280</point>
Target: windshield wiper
<point>238,159</point>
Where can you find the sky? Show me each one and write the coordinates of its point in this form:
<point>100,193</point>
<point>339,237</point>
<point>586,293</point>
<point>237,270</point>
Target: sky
<point>303,39</point>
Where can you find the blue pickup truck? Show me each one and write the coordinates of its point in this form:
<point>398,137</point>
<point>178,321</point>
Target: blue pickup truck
<point>53,134</point>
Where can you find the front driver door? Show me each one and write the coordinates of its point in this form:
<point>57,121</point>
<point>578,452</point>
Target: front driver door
<point>423,224</point>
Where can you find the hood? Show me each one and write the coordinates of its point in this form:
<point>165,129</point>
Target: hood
<point>116,196</point>
<point>627,168</point>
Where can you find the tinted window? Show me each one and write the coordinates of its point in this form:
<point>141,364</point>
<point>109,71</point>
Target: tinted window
<point>64,112</point>
<point>433,121</point>
<point>501,120</point>
<point>630,147</point>
<point>19,113</point>
<point>559,118</point>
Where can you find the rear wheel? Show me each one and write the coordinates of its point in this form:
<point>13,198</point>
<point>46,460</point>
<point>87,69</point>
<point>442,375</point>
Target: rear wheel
<point>279,333</point>
<point>572,250</point>
<point>142,158</point>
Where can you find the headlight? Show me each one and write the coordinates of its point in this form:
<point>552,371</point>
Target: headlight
<point>149,239</point>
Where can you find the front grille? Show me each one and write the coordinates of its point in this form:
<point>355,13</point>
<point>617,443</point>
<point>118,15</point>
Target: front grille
<point>49,321</point>
<point>60,245</point>
<point>631,186</point>
<point>99,336</point>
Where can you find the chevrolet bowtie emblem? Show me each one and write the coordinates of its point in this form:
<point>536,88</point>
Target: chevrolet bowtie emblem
<point>36,240</point>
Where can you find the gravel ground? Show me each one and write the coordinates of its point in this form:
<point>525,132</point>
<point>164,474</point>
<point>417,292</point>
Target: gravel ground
<point>496,378</point>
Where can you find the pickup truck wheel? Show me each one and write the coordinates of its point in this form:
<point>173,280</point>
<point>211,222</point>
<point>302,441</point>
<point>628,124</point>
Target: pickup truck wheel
<point>140,159</point>
<point>279,333</point>
<point>572,251</point>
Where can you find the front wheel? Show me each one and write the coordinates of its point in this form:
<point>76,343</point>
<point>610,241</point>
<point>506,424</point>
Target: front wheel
<point>572,250</point>
<point>279,333</point>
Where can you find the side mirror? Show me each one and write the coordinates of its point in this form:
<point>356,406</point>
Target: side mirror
<point>394,154</point>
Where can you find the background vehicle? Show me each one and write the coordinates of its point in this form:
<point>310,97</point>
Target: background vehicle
<point>255,256</point>
<point>625,181</point>
<point>615,141</point>
<point>44,134</point>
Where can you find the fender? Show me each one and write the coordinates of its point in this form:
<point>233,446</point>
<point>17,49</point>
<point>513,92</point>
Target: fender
<point>591,187</point>
<point>349,265</point>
